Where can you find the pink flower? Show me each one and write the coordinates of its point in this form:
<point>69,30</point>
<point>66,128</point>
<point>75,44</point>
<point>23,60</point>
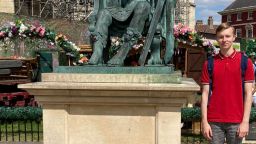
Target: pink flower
<point>38,29</point>
<point>2,34</point>
<point>42,32</point>
<point>32,28</point>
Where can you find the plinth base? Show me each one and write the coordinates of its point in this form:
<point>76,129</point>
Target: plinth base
<point>83,112</point>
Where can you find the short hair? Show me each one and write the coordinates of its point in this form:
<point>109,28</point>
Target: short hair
<point>224,26</point>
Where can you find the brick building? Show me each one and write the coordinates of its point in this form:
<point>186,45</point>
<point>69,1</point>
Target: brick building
<point>206,30</point>
<point>242,15</point>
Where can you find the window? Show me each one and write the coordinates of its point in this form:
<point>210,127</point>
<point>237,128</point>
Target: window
<point>239,16</point>
<point>229,18</point>
<point>249,30</point>
<point>239,32</point>
<point>249,33</point>
<point>250,15</point>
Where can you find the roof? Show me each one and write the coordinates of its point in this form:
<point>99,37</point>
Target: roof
<point>206,29</point>
<point>240,4</point>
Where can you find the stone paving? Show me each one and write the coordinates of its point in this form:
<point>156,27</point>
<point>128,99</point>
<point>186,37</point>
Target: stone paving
<point>21,142</point>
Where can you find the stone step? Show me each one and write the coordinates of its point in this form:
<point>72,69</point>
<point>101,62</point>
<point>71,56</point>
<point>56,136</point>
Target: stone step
<point>5,71</point>
<point>10,63</point>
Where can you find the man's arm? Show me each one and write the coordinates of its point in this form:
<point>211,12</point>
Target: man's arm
<point>206,129</point>
<point>244,125</point>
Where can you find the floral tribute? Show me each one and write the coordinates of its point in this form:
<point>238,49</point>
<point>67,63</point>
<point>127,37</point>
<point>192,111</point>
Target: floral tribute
<point>188,36</point>
<point>36,31</point>
<point>134,53</point>
<point>182,34</point>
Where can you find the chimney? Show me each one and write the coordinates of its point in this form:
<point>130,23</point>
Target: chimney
<point>199,22</point>
<point>210,22</point>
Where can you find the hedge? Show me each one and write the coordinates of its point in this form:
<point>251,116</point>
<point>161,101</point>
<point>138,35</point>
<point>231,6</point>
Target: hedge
<point>20,113</point>
<point>35,113</point>
<point>194,114</point>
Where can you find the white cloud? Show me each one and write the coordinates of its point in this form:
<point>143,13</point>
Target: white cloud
<point>208,12</point>
<point>205,13</point>
<point>206,8</point>
<point>205,3</point>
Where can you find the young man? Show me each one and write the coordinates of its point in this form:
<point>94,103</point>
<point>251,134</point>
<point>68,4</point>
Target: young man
<point>226,114</point>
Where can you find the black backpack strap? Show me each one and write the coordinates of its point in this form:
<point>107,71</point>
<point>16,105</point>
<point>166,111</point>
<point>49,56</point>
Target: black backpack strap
<point>210,72</point>
<point>244,61</point>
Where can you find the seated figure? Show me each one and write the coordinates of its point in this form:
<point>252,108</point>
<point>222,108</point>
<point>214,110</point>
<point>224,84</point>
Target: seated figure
<point>129,15</point>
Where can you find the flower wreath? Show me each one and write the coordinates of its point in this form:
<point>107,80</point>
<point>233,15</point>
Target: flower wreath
<point>36,31</point>
<point>188,36</point>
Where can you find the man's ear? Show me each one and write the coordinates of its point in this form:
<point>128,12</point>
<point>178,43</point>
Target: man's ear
<point>234,38</point>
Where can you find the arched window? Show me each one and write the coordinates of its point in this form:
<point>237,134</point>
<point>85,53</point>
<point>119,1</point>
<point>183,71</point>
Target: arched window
<point>249,31</point>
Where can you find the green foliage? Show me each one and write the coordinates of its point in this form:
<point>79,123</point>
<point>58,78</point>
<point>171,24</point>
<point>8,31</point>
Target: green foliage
<point>194,114</point>
<point>253,115</point>
<point>35,113</point>
<point>243,45</point>
<point>50,35</point>
<point>191,114</point>
<point>249,46</point>
<point>20,113</point>
<point>236,46</point>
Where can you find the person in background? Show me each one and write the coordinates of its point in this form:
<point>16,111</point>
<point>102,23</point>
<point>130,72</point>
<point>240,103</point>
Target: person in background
<point>253,58</point>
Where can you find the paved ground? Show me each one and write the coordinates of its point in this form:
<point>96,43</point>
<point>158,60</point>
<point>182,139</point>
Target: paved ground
<point>21,142</point>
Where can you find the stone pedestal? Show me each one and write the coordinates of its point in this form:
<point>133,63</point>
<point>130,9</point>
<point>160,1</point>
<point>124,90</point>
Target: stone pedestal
<point>83,109</point>
<point>7,6</point>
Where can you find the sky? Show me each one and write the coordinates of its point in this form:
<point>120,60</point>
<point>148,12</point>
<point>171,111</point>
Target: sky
<point>206,8</point>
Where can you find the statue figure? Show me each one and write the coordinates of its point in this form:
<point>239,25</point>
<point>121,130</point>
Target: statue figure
<point>127,19</point>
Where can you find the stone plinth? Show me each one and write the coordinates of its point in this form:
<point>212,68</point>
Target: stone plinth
<point>118,111</point>
<point>7,6</point>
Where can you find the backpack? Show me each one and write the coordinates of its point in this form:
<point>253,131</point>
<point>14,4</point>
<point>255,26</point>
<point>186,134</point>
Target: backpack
<point>244,60</point>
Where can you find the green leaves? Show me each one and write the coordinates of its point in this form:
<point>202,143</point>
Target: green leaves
<point>20,113</point>
<point>191,114</point>
<point>194,114</point>
<point>35,113</point>
<point>249,46</point>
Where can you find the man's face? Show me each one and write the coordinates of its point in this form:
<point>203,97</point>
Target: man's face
<point>226,38</point>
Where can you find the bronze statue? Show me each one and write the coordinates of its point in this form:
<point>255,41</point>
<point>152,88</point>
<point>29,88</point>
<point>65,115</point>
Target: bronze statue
<point>127,18</point>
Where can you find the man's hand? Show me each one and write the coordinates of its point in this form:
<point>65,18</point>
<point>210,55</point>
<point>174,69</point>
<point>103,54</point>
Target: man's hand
<point>206,130</point>
<point>243,129</point>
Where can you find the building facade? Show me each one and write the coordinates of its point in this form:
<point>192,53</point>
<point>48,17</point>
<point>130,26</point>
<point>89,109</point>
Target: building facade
<point>69,9</point>
<point>241,14</point>
<point>79,9</point>
<point>185,13</point>
<point>208,30</point>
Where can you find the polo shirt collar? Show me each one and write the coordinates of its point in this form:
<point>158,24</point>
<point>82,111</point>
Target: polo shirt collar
<point>231,56</point>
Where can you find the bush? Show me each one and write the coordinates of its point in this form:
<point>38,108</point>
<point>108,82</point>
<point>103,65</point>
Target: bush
<point>20,113</point>
<point>194,114</point>
<point>35,113</point>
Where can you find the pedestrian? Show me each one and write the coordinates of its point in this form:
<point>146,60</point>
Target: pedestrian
<point>253,58</point>
<point>226,91</point>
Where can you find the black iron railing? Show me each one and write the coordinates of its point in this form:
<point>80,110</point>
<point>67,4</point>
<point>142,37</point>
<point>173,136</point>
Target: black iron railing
<point>21,131</point>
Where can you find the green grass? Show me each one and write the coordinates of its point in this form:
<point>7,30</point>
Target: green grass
<point>21,133</point>
<point>193,139</point>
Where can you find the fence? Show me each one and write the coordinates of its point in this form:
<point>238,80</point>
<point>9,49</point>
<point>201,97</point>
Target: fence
<point>24,124</point>
<point>21,124</point>
<point>21,131</point>
<point>191,133</point>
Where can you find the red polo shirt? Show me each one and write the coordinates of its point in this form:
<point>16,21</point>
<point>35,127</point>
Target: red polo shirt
<point>226,103</point>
